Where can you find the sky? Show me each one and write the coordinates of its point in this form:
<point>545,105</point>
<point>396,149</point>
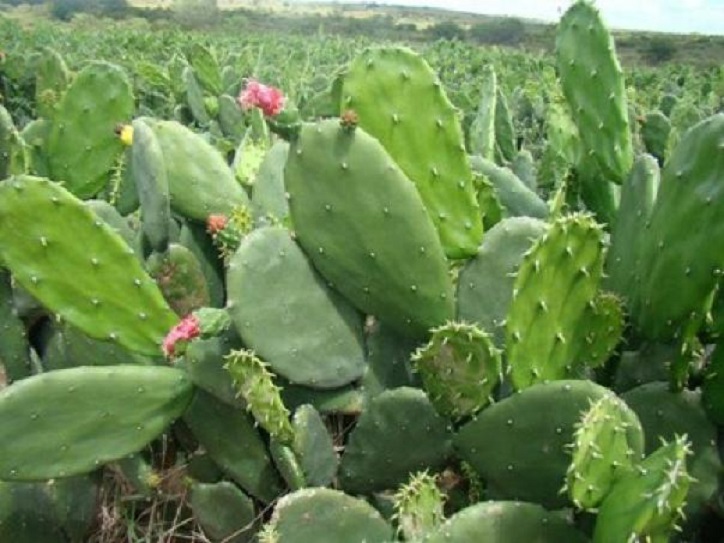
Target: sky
<point>703,16</point>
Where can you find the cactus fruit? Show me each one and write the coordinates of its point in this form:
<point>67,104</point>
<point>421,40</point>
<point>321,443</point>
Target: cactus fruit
<point>594,87</point>
<point>67,422</point>
<point>83,147</point>
<point>89,257</point>
<point>400,101</point>
<point>518,445</point>
<point>323,515</point>
<point>378,456</point>
<point>253,382</point>
<point>460,368</point>
<point>608,442</point>
<point>365,228</point>
<point>554,288</point>
<point>646,503</point>
<point>418,507</point>
<point>317,337</point>
<point>506,522</point>
<point>485,283</point>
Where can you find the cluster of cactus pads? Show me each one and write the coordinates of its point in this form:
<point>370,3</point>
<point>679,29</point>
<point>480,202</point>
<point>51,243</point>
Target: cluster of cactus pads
<point>321,325</point>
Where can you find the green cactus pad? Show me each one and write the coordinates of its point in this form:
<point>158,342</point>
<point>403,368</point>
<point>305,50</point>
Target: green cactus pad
<point>554,286</point>
<point>268,197</point>
<point>78,267</point>
<point>72,421</point>
<point>594,86</point>
<point>460,368</point>
<point>713,387</point>
<point>347,400</point>
<point>388,361</point>
<point>200,182</point>
<point>75,502</point>
<point>51,80</point>
<point>515,197</point>
<point>646,503</point>
<point>519,445</point>
<point>178,274</point>
<point>195,97</point>
<point>35,135</point>
<point>378,455</point>
<point>678,265</point>
<point>323,515</point>
<point>224,512</point>
<point>482,129</point>
<point>485,283</point>
<point>313,447</point>
<point>229,436</point>
<point>400,101</point>
<point>26,514</point>
<point>149,175</point>
<point>13,149</point>
<point>364,226</point>
<point>504,128</point>
<point>608,442</point>
<point>254,383</point>
<point>83,146</point>
<point>419,507</point>
<point>655,131</point>
<point>505,522</point>
<point>665,415</point>
<point>204,363</point>
<point>14,346</point>
<point>285,312</point>
<point>623,263</point>
<point>231,119</point>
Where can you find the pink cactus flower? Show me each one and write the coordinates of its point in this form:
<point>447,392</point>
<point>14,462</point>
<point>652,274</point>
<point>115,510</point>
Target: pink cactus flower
<point>186,330</point>
<point>269,99</point>
<point>216,223</point>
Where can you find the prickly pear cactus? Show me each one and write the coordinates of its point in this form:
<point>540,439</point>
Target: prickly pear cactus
<point>223,511</point>
<point>14,346</point>
<point>378,456</point>
<point>594,87</point>
<point>678,265</point>
<point>608,442</point>
<point>283,310</point>
<point>460,367</point>
<point>646,503</point>
<point>419,507</point>
<point>72,421</point>
<point>327,516</point>
<point>52,77</point>
<point>13,150</point>
<point>485,283</point>
<point>78,267</point>
<point>482,130</point>
<point>528,457</point>
<point>505,522</point>
<point>178,274</point>
<point>83,146</point>
<point>554,287</point>
<point>365,228</point>
<point>254,383</point>
<point>399,100</point>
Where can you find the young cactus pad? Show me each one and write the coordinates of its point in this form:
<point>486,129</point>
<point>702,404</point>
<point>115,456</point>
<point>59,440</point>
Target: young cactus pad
<point>78,267</point>
<point>366,229</point>
<point>460,367</point>
<point>283,310</point>
<point>608,441</point>
<point>72,421</point>
<point>83,146</point>
<point>554,287</point>
<point>419,506</point>
<point>400,101</point>
<point>646,503</point>
<point>593,84</point>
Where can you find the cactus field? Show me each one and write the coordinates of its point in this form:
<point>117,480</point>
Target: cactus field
<point>283,289</point>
